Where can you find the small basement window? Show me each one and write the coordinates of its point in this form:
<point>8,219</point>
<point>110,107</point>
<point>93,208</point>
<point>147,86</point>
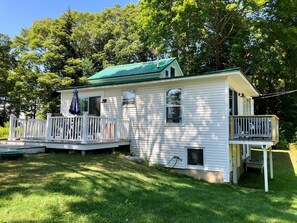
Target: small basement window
<point>195,156</point>
<point>128,98</point>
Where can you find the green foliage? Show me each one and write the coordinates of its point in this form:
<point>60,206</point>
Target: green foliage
<point>62,52</point>
<point>283,142</point>
<point>201,34</point>
<point>4,131</point>
<point>7,62</point>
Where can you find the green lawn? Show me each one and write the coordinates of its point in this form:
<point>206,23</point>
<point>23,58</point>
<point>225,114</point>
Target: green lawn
<point>109,188</point>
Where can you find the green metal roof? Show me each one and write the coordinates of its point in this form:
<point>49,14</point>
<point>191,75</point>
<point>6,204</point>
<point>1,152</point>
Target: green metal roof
<point>148,79</point>
<point>133,69</point>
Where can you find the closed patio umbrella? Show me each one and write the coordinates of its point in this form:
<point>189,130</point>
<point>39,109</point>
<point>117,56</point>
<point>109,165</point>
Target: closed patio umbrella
<point>74,106</point>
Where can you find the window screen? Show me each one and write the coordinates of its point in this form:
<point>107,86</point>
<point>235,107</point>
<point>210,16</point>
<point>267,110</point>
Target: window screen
<point>195,156</point>
<point>173,106</point>
<point>128,98</point>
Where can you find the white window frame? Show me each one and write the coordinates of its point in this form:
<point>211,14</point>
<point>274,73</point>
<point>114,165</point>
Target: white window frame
<point>181,107</point>
<point>122,98</point>
<point>196,148</point>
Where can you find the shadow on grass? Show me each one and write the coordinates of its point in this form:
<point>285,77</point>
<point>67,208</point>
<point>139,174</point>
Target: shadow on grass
<point>284,174</point>
<point>108,188</point>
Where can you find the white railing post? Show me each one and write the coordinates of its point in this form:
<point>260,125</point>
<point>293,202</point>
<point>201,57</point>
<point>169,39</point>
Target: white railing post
<point>129,129</point>
<point>85,128</point>
<point>26,126</point>
<point>48,127</point>
<point>11,129</point>
<point>115,129</point>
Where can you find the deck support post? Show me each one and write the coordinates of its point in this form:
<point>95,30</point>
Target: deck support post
<point>83,152</point>
<point>271,162</point>
<point>234,157</point>
<point>248,152</point>
<point>265,168</point>
<point>85,128</point>
<point>11,124</point>
<point>48,127</point>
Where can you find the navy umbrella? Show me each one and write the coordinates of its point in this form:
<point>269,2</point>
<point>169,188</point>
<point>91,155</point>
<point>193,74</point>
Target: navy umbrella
<point>74,106</point>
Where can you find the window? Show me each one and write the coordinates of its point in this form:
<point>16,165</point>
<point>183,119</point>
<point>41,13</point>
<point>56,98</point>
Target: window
<point>94,105</point>
<point>195,156</point>
<point>233,102</point>
<point>167,73</point>
<point>90,104</point>
<point>173,106</point>
<point>172,72</point>
<point>84,104</point>
<point>128,98</point>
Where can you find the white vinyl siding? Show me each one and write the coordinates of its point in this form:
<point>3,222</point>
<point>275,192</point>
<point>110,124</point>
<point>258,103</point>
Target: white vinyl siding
<point>204,124</point>
<point>204,112</point>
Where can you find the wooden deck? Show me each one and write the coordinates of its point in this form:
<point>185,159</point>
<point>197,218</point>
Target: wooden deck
<point>68,145</point>
<point>72,133</point>
<point>254,130</point>
<point>26,149</point>
<point>252,141</point>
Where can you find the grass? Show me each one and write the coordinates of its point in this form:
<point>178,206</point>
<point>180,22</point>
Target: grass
<point>109,188</point>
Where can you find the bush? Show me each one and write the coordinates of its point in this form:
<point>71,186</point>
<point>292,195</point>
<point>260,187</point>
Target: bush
<point>4,131</point>
<point>283,142</point>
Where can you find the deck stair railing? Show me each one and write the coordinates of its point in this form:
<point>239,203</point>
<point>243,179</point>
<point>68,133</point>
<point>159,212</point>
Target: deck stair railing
<point>264,127</point>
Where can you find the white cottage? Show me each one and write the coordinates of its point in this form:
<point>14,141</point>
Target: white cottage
<point>200,125</point>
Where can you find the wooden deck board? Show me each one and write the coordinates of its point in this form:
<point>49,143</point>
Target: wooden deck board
<point>68,145</point>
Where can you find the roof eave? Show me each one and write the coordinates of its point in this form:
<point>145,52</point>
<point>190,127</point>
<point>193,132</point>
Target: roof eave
<point>162,80</point>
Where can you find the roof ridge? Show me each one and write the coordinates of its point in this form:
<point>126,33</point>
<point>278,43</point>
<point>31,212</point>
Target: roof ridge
<point>218,71</point>
<point>133,64</point>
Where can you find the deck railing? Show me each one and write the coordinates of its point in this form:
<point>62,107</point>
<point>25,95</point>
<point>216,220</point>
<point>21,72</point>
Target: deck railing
<point>82,129</point>
<point>123,131</point>
<point>261,127</point>
<point>87,128</point>
<point>65,128</point>
<point>26,128</point>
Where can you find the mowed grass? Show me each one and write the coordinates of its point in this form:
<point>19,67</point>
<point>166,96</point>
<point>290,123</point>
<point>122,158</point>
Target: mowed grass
<point>109,188</point>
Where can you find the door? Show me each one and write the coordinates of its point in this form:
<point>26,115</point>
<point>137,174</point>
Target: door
<point>233,102</point>
<point>95,106</point>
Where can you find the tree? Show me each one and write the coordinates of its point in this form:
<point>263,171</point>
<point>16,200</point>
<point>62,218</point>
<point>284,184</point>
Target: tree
<point>63,52</point>
<point>201,34</point>
<point>6,64</point>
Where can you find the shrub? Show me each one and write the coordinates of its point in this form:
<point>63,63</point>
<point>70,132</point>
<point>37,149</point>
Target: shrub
<point>4,131</point>
<point>283,142</point>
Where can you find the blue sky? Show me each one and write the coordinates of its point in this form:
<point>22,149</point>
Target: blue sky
<point>17,14</point>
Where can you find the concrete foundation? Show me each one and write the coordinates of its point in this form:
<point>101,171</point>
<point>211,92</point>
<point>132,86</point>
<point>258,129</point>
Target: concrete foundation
<point>209,176</point>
